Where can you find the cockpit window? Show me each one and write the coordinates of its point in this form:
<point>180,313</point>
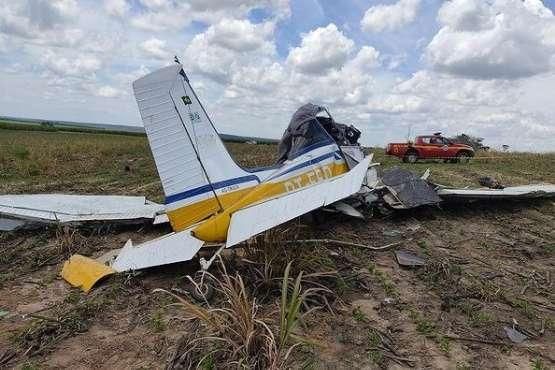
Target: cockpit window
<point>310,136</point>
<point>310,127</point>
<point>303,134</point>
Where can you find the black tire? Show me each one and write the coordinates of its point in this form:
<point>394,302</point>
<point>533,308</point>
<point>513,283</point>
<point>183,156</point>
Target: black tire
<point>410,157</point>
<point>463,157</point>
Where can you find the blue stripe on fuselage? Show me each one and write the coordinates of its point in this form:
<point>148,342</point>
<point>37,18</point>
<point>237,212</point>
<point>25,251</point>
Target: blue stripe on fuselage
<point>239,180</point>
<point>206,188</point>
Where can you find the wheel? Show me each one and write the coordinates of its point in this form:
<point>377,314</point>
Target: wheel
<point>410,157</point>
<point>463,157</point>
<point>204,289</point>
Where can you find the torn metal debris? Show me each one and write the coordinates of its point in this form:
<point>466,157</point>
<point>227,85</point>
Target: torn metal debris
<point>405,189</point>
<point>514,335</point>
<point>409,259</point>
<point>490,182</point>
<point>346,209</point>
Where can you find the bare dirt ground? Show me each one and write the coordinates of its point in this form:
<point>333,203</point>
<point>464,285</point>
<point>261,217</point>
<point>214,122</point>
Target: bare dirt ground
<point>487,266</point>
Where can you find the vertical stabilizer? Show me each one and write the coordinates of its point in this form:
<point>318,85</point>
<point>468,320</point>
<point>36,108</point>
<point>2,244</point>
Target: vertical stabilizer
<point>194,166</point>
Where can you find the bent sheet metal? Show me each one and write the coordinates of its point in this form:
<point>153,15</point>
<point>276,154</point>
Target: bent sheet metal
<point>67,208</point>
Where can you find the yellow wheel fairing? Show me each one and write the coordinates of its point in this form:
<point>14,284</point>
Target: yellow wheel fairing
<point>83,272</point>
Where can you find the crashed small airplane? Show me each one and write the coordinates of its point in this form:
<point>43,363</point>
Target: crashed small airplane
<point>212,200</point>
<point>214,203</point>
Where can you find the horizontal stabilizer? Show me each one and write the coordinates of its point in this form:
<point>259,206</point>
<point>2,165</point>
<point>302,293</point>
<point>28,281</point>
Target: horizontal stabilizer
<point>255,219</point>
<point>171,248</point>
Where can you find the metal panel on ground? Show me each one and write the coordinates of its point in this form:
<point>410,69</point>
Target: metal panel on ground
<point>408,189</point>
<point>258,218</point>
<point>513,192</point>
<point>171,248</point>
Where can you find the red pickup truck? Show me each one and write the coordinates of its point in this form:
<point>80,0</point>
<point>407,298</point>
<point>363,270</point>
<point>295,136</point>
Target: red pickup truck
<point>430,147</point>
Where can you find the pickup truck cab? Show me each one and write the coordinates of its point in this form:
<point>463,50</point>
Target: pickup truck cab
<point>430,147</point>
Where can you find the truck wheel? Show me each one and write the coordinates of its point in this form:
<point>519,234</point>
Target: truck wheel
<point>463,157</point>
<point>410,157</point>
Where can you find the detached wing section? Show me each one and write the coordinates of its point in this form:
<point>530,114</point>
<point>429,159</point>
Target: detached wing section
<point>513,192</point>
<point>260,217</point>
<point>62,208</point>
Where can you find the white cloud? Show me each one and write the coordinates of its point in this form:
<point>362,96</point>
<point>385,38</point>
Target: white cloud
<point>169,17</point>
<point>155,48</point>
<point>33,18</point>
<point>78,59</point>
<point>117,8</point>
<point>449,89</point>
<point>396,104</point>
<point>108,92</point>
<point>321,49</point>
<point>239,35</point>
<point>3,44</point>
<point>155,4</point>
<point>68,8</point>
<point>494,109</point>
<point>366,59</point>
<point>382,17</point>
<point>78,66</point>
<point>163,15</point>
<point>229,46</point>
<point>498,39</point>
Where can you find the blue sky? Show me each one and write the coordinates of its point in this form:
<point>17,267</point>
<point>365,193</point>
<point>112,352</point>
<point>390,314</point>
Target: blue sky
<point>481,67</point>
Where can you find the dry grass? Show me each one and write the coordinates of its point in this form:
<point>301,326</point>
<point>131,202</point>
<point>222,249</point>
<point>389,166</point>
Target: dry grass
<point>34,161</point>
<point>237,331</point>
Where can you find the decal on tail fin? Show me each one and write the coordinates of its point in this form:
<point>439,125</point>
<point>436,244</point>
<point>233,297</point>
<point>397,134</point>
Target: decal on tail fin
<point>195,168</point>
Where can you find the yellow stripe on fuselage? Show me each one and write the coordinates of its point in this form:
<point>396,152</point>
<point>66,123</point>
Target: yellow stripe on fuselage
<point>215,228</point>
<point>183,217</point>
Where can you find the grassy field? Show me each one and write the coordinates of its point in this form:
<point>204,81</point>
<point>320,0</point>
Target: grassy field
<point>511,168</point>
<point>23,125</point>
<point>488,266</point>
<point>36,161</point>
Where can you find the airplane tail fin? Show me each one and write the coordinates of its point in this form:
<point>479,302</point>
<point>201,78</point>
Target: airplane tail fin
<point>194,166</point>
